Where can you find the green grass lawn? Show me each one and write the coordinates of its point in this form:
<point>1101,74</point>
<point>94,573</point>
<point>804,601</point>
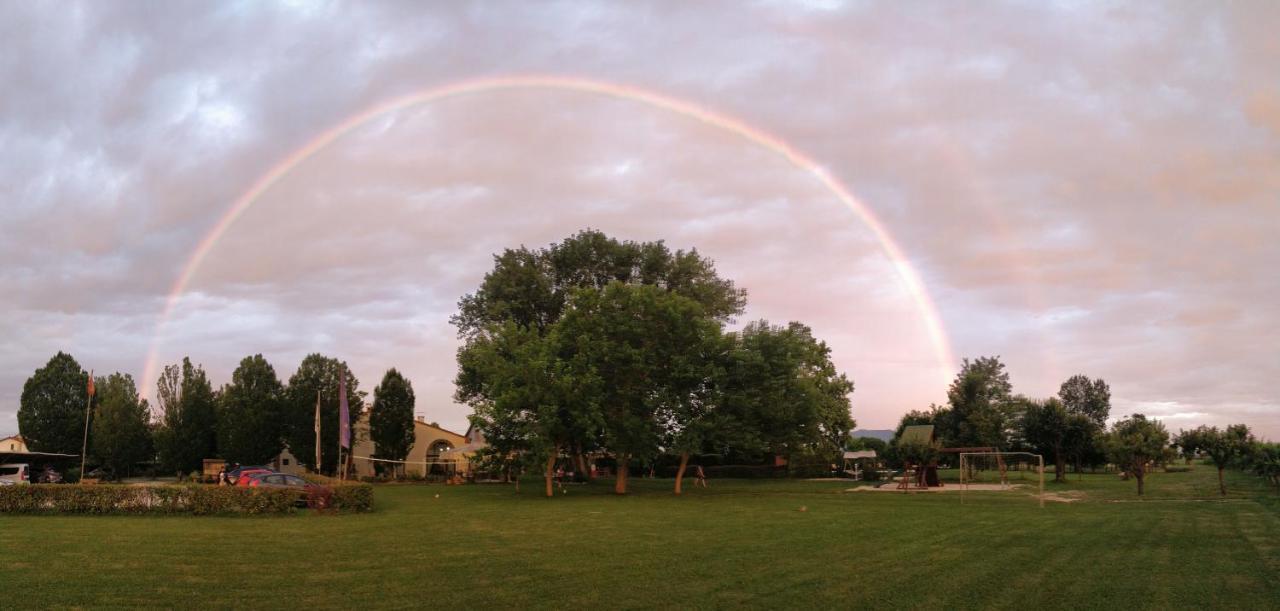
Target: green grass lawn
<point>740,543</point>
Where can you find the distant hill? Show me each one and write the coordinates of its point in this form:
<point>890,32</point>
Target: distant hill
<point>881,434</point>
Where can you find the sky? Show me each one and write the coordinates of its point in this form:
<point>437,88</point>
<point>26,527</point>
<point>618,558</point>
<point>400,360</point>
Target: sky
<point>1078,187</point>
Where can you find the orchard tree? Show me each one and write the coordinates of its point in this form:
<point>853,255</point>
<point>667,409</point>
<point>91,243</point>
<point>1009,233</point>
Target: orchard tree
<point>1264,460</point>
<point>187,430</point>
<point>1134,442</point>
<point>391,419</point>
<point>317,377</point>
<point>51,412</point>
<point>121,435</point>
<point>251,421</point>
<point>1190,443</point>
<point>1224,447</point>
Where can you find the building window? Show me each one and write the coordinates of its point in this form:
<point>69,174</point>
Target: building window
<point>286,462</point>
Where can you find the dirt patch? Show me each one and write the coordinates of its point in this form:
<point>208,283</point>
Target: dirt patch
<point>1069,496</point>
<point>893,487</point>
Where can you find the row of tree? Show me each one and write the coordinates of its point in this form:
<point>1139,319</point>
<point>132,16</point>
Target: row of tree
<point>249,420</point>
<point>983,411</point>
<point>598,346</point>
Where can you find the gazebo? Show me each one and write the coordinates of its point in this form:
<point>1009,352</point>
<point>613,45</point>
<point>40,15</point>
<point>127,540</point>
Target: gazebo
<point>852,466</point>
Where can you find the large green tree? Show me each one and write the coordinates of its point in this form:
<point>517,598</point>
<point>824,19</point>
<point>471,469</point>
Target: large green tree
<point>518,305</point>
<point>187,432</point>
<point>640,351</point>
<point>251,421</point>
<point>1134,443</point>
<point>782,383</point>
<point>532,287</point>
<point>1090,398</point>
<point>121,435</point>
<point>51,412</point>
<point>982,412</point>
<point>525,397</point>
<point>318,375</point>
<point>1050,429</point>
<point>391,419</point>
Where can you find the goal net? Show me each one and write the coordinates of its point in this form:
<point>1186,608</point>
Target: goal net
<point>985,471</point>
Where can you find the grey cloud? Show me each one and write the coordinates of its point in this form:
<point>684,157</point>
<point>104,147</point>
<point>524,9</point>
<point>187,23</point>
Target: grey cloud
<point>1084,188</point>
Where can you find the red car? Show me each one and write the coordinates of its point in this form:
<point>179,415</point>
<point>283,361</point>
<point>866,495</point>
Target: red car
<point>278,480</point>
<point>309,494</point>
<point>247,475</point>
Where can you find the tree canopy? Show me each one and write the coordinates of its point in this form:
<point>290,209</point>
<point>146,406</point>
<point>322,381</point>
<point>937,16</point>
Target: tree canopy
<point>121,435</point>
<point>600,344</point>
<point>1225,448</point>
<point>187,430</point>
<point>251,419</point>
<point>318,374</point>
<point>1134,442</point>
<point>391,418</point>
<point>531,288</point>
<point>980,409</point>
<point>1050,429</point>
<point>51,412</point>
<point>1090,398</point>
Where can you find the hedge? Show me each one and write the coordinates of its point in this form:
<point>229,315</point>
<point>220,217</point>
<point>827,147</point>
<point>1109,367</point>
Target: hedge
<point>171,499</point>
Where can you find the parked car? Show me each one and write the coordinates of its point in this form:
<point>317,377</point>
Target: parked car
<point>15,473</point>
<point>307,491</point>
<point>279,480</point>
<point>49,476</point>
<point>245,476</point>
<point>234,474</point>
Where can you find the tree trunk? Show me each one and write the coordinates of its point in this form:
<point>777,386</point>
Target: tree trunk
<point>550,472</point>
<point>684,462</point>
<point>1222,484</point>
<point>1059,467</point>
<point>1140,474</point>
<point>581,461</point>
<point>620,483</point>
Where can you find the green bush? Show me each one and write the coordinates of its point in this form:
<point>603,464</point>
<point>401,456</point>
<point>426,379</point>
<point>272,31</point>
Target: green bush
<point>173,499</point>
<point>353,497</point>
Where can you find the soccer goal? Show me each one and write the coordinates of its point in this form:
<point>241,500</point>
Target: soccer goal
<point>1001,471</point>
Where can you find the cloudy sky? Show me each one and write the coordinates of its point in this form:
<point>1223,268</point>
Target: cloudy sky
<point>1081,187</point>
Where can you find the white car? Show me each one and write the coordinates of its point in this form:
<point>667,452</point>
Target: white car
<point>13,473</point>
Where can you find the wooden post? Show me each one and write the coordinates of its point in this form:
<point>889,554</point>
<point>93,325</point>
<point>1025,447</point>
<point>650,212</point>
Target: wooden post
<point>1041,480</point>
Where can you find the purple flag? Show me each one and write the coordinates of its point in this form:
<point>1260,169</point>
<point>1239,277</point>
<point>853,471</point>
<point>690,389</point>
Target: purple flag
<point>344,420</point>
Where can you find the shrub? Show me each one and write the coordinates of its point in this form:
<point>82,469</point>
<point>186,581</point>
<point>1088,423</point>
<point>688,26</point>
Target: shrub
<point>172,499</point>
<point>353,497</point>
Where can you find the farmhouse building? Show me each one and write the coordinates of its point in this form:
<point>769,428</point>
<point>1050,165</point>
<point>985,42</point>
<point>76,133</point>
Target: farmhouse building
<point>13,443</point>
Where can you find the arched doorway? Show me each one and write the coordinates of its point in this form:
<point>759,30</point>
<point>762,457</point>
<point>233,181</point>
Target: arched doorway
<point>441,463</point>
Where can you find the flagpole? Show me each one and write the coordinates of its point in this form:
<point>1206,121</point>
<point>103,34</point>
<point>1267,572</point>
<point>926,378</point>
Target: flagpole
<point>344,421</point>
<point>318,431</point>
<point>342,394</point>
<point>84,445</point>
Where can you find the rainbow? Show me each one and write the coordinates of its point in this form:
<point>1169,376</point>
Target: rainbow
<point>906,271</point>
